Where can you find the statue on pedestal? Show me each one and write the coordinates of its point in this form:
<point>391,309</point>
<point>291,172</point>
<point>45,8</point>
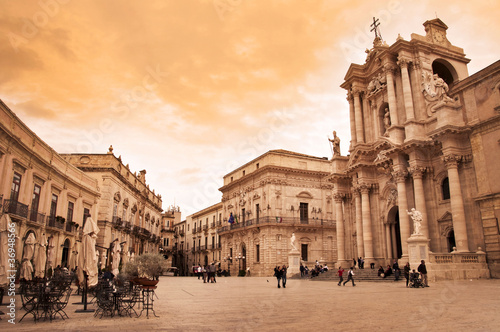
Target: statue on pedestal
<point>335,144</point>
<point>416,216</point>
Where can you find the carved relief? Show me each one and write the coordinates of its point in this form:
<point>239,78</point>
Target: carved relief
<point>378,83</point>
<point>435,90</point>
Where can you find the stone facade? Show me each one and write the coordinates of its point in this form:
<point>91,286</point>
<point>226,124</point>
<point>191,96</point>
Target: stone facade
<point>42,192</point>
<point>180,252</point>
<point>202,240</point>
<point>129,212</point>
<point>271,197</point>
<point>420,130</point>
<point>169,218</point>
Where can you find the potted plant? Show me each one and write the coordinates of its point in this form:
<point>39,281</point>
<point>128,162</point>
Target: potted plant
<point>145,269</point>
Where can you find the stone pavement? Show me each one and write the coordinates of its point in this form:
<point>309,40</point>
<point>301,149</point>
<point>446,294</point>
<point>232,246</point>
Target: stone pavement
<point>256,304</point>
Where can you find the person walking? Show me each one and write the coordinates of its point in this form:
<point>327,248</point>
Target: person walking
<point>283,276</point>
<point>277,274</point>
<point>406,271</point>
<point>340,272</point>
<point>396,269</point>
<point>350,276</point>
<point>423,272</point>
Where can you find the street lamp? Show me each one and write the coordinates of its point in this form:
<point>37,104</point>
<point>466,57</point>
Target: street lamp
<point>239,258</point>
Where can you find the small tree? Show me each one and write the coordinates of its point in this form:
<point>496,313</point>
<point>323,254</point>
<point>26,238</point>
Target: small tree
<point>145,266</point>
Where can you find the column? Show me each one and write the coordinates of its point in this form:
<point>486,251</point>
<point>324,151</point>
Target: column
<point>417,174</point>
<point>394,241</point>
<point>352,118</point>
<point>367,221</point>
<point>359,224</point>
<point>360,137</point>
<point>6,175</point>
<point>408,100</point>
<point>388,240</point>
<point>457,203</point>
<point>340,227</point>
<point>391,95</point>
<point>404,223</point>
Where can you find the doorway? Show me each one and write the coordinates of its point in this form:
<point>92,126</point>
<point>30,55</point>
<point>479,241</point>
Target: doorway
<point>303,252</point>
<point>450,240</point>
<point>65,253</point>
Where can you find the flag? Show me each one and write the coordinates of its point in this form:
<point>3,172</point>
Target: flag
<point>236,219</point>
<point>231,218</point>
<point>279,219</point>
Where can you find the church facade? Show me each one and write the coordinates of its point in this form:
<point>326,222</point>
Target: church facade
<point>424,136</point>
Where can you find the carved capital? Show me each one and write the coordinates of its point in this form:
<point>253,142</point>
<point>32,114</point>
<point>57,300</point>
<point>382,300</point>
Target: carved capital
<point>417,171</point>
<point>403,61</point>
<point>356,92</point>
<point>451,161</point>
<point>389,69</point>
<point>364,188</point>
<point>399,175</point>
<point>338,197</point>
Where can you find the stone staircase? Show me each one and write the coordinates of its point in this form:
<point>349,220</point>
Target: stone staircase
<point>359,275</point>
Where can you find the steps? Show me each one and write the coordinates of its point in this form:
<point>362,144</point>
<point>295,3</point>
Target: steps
<point>359,275</point>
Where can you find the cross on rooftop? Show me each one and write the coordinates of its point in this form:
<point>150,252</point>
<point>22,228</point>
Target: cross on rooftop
<point>375,27</point>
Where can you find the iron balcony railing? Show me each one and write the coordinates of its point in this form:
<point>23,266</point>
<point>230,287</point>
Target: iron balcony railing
<point>278,220</point>
<point>14,207</point>
<point>37,217</point>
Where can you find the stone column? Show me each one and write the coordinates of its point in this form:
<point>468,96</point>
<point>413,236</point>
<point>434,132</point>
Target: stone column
<point>457,203</point>
<point>340,227</point>
<point>391,95</point>
<point>352,118</point>
<point>404,223</point>
<point>359,224</point>
<point>408,100</point>
<point>367,221</point>
<point>394,241</point>
<point>388,240</point>
<point>417,174</point>
<point>360,137</point>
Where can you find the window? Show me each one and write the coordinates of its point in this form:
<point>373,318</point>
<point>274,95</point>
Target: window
<point>71,207</point>
<point>115,209</point>
<point>16,185</point>
<point>303,213</point>
<point>257,252</point>
<point>35,201</point>
<point>243,215</point>
<point>53,206</point>
<point>257,211</point>
<point>445,188</point>
<point>124,213</point>
<point>132,218</point>
<point>257,166</point>
<point>231,179</point>
<point>243,173</point>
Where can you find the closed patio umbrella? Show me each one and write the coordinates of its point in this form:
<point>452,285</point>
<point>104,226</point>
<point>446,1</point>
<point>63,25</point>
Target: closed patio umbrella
<point>26,266</point>
<point>40,257</point>
<point>51,252</point>
<point>116,258</point>
<point>88,257</point>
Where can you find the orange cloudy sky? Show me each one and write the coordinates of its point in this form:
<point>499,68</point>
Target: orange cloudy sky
<point>190,90</point>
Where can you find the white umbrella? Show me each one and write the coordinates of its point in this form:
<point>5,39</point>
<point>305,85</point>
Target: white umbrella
<point>103,259</point>
<point>116,258</point>
<point>4,258</point>
<point>27,267</point>
<point>88,259</point>
<point>51,252</point>
<point>41,257</point>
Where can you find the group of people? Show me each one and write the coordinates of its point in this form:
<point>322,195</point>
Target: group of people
<point>422,270</point>
<point>350,275</point>
<point>280,274</point>
<point>208,273</point>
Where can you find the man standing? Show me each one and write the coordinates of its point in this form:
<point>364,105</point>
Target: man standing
<point>277,274</point>
<point>423,272</point>
<point>283,276</point>
<point>397,272</point>
<point>340,272</point>
<point>350,275</point>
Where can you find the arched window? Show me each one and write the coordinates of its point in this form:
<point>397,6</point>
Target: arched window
<point>445,188</point>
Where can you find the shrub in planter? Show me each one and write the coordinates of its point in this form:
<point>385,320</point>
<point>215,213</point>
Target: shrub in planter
<point>145,267</point>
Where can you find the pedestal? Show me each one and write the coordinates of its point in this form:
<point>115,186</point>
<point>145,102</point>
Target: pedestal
<point>418,249</point>
<point>293,262</point>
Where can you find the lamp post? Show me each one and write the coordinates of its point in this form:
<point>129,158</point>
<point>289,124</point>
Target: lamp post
<point>239,258</point>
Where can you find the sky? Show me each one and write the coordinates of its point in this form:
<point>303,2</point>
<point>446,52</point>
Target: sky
<point>190,90</point>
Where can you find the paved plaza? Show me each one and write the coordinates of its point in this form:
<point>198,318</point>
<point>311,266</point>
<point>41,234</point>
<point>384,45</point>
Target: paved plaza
<point>256,304</point>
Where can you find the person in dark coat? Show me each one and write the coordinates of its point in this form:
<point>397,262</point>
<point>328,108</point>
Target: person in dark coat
<point>423,272</point>
<point>277,274</point>
<point>406,271</point>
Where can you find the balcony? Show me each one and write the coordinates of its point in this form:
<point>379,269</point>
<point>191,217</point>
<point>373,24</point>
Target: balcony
<point>212,225</point>
<point>117,222</point>
<point>37,217</point>
<point>15,208</point>
<point>292,221</point>
<point>195,230</point>
<point>55,222</point>
<point>205,228</point>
